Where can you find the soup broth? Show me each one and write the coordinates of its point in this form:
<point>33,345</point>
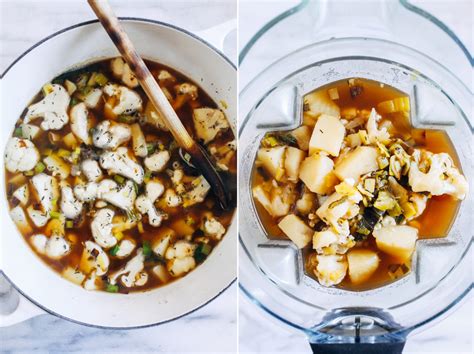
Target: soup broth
<point>291,196</point>
<point>155,216</point>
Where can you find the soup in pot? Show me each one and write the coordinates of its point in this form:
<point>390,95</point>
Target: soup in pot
<point>100,190</point>
<point>356,185</point>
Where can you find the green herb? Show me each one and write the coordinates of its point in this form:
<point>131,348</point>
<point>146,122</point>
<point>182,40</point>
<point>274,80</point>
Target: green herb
<point>146,249</point>
<point>101,79</point>
<point>111,288</point>
<point>124,118</point>
<point>114,251</point>
<point>69,224</point>
<point>29,173</point>
<point>119,179</point>
<point>74,101</point>
<point>202,251</point>
<point>40,167</point>
<point>18,132</point>
<point>287,139</point>
<point>136,188</point>
<point>55,214</point>
<point>150,147</point>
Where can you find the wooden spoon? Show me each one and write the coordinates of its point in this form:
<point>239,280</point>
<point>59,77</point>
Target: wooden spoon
<point>199,156</point>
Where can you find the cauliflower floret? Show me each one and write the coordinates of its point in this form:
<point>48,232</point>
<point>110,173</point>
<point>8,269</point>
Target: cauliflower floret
<point>145,203</point>
<point>20,155</point>
<point>70,206</point>
<point>91,170</point>
<point>132,274</point>
<point>180,249</point>
<point>157,162</point>
<point>19,218</point>
<point>146,206</point>
<point>91,281</point>
<point>54,247</point>
<point>22,194</point>
<point>101,228</point>
<point>29,131</point>
<point>94,259</point>
<point>162,241</point>
<point>108,135</point>
<point>199,191</point>
<point>375,134</point>
<point>331,269</point>
<point>187,89</point>
<point>122,197</point>
<point>340,207</point>
<point>154,190</point>
<point>121,70</point>
<point>92,98</point>
<point>79,123</point>
<point>180,257</point>
<point>47,192</point>
<point>329,242</point>
<point>213,228</point>
<point>208,123</point>
<point>442,177</point>
<point>52,108</point>
<point>179,266</point>
<point>118,162</point>
<point>172,199</point>
<point>129,100</point>
<point>38,217</point>
<point>86,192</point>
<point>125,248</point>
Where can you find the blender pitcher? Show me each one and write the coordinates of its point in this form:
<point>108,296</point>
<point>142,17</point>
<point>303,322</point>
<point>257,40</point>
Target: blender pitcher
<point>375,40</point>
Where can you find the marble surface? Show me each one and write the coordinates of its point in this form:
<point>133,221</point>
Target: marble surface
<point>258,332</point>
<point>212,328</point>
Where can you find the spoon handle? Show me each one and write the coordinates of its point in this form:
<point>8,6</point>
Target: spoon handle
<point>123,43</point>
<point>199,155</point>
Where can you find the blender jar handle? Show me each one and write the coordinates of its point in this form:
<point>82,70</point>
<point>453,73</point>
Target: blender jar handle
<point>357,348</point>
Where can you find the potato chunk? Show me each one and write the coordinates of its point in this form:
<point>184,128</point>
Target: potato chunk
<point>293,159</point>
<point>316,171</point>
<point>302,135</point>
<point>272,160</point>
<point>397,240</point>
<point>362,264</point>
<point>319,102</point>
<point>328,134</point>
<point>356,163</point>
<point>296,230</point>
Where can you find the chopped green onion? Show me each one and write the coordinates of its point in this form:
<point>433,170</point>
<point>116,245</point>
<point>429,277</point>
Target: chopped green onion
<point>91,81</point>
<point>29,173</point>
<point>69,224</point>
<point>119,179</point>
<point>101,79</point>
<point>123,118</point>
<point>114,251</point>
<point>74,101</point>
<point>118,235</point>
<point>202,251</point>
<point>146,249</point>
<point>64,153</point>
<point>150,147</point>
<point>40,167</point>
<point>136,188</point>
<point>140,227</point>
<point>18,132</point>
<point>55,214</point>
<point>82,80</point>
<point>47,89</point>
<point>111,288</point>
<point>54,202</point>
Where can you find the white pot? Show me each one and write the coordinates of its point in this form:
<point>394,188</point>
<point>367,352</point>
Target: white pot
<point>75,46</point>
